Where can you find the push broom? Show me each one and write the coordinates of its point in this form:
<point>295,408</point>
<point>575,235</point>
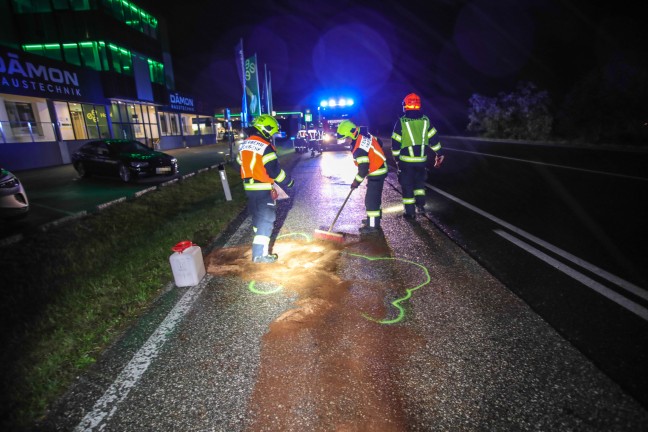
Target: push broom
<point>329,235</point>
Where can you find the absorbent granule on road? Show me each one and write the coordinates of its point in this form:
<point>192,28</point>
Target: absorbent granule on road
<point>323,366</point>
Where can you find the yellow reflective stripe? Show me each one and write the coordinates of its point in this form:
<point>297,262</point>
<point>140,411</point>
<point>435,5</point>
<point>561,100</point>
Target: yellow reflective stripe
<point>436,147</point>
<point>396,137</point>
<point>281,177</point>
<point>256,186</point>
<point>395,152</point>
<point>425,126</point>
<point>362,159</point>
<point>269,157</point>
<point>409,200</point>
<point>380,155</point>
<point>379,171</point>
<point>253,163</point>
<point>409,132</point>
<point>419,192</point>
<point>432,132</point>
<point>413,158</point>
<point>373,213</point>
<point>359,178</point>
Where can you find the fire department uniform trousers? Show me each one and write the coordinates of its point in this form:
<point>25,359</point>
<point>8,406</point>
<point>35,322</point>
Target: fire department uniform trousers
<point>412,180</point>
<point>263,210</point>
<point>373,199</point>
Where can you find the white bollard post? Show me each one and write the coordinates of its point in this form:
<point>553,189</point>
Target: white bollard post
<point>226,188</point>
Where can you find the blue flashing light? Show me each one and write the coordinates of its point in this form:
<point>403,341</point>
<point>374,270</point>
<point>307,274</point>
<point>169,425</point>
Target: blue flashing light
<point>341,102</point>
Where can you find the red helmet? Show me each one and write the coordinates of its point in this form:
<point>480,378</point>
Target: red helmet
<point>411,102</point>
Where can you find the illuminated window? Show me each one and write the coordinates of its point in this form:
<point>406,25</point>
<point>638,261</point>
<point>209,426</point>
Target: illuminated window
<point>29,6</point>
<point>71,53</point>
<point>134,121</point>
<point>90,55</point>
<point>80,5</point>
<point>61,4</point>
<point>156,71</point>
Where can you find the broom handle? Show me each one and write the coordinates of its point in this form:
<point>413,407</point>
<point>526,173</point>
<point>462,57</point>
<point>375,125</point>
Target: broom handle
<point>340,211</point>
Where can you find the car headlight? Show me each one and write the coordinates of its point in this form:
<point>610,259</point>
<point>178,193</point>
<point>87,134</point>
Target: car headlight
<point>10,183</point>
<point>174,161</point>
<point>139,164</point>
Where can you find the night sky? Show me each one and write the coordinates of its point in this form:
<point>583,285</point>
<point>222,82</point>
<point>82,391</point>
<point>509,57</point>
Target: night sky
<point>377,51</point>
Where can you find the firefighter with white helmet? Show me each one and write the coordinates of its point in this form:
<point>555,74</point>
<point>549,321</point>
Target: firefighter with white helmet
<point>260,169</point>
<point>370,159</point>
<point>410,147</point>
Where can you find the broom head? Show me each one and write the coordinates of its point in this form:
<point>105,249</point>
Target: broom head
<point>321,234</point>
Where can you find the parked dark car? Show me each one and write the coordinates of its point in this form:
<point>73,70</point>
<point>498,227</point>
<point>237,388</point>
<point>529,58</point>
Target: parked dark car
<point>128,159</point>
<point>13,199</point>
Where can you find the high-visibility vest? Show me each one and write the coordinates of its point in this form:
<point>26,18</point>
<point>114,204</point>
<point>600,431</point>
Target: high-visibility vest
<point>254,153</point>
<point>414,137</point>
<point>375,154</point>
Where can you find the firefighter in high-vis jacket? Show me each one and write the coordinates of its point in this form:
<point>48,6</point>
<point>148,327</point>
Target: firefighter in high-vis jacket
<point>368,155</point>
<point>410,148</point>
<point>260,168</point>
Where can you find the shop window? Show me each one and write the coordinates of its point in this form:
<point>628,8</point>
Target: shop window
<point>90,119</point>
<point>21,118</point>
<point>102,121</point>
<point>155,133</point>
<point>123,131</point>
<point>78,122</point>
<point>163,124</point>
<point>114,113</point>
<point>175,128</point>
<point>64,120</point>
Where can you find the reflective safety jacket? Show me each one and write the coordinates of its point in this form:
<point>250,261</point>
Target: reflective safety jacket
<point>260,164</point>
<point>411,137</point>
<point>369,157</point>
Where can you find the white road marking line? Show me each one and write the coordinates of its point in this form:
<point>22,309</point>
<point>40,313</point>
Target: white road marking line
<point>128,378</point>
<point>628,286</point>
<point>585,280</point>
<point>552,165</point>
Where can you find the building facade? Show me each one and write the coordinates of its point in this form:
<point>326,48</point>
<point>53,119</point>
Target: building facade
<point>72,71</point>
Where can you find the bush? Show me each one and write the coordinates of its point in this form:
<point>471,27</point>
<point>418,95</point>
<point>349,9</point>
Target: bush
<point>523,114</point>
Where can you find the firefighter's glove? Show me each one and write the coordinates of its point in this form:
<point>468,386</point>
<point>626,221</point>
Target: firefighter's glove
<point>355,184</point>
<point>291,184</point>
<point>438,160</point>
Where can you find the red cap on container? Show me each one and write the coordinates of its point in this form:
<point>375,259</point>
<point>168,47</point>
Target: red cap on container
<point>181,246</point>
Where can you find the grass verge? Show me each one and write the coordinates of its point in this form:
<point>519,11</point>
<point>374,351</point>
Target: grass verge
<point>69,292</point>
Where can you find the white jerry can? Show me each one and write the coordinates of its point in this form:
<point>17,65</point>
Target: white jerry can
<point>187,264</point>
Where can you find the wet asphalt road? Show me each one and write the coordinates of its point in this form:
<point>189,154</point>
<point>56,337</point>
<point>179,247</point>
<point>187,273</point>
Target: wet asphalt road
<point>464,353</point>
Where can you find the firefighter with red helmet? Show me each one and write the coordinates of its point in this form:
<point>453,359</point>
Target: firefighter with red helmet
<point>370,159</point>
<point>260,169</point>
<point>410,148</point>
